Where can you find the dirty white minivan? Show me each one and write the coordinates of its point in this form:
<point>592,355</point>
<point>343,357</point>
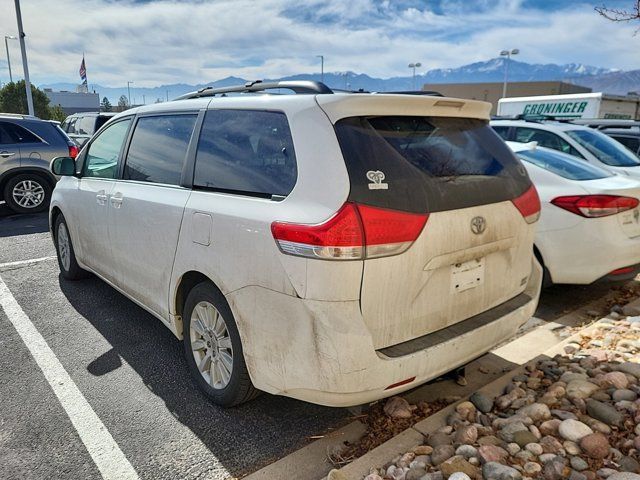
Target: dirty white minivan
<point>333,247</point>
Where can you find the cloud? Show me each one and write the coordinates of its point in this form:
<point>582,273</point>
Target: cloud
<point>160,42</point>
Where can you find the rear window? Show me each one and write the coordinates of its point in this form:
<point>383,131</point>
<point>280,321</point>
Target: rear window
<point>632,143</point>
<point>563,165</point>
<point>428,164</point>
<point>246,152</point>
<point>605,149</point>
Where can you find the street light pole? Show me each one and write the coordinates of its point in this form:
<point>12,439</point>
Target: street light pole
<point>507,53</point>
<point>129,92</point>
<point>321,67</point>
<point>414,66</point>
<point>25,67</point>
<point>6,45</point>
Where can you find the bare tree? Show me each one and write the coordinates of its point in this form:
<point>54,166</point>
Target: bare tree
<point>618,15</point>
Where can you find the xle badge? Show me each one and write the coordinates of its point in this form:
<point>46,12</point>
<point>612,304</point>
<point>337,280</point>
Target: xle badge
<point>376,177</point>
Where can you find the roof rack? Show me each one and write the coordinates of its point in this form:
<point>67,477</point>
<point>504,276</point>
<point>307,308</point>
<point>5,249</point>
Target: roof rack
<point>16,115</point>
<point>297,86</point>
<point>415,92</point>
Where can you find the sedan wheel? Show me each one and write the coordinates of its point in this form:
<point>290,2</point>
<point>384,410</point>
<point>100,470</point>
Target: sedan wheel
<point>211,345</point>
<point>28,194</point>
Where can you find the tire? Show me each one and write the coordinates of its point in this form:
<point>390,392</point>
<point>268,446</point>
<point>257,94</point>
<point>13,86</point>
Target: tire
<point>27,193</point>
<point>213,350</point>
<point>64,249</point>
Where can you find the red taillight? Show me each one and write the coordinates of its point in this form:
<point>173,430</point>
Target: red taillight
<point>594,206</point>
<point>528,204</point>
<point>622,271</point>
<point>73,151</point>
<point>354,232</point>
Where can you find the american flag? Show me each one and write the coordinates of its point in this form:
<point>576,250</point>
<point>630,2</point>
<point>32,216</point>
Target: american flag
<point>83,72</point>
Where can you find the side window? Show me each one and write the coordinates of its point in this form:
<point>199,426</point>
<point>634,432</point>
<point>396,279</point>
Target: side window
<point>20,134</point>
<point>502,131</point>
<point>246,151</point>
<point>158,148</point>
<point>5,136</point>
<point>102,157</point>
<point>85,125</point>
<point>71,127</point>
<point>632,143</point>
<point>545,139</point>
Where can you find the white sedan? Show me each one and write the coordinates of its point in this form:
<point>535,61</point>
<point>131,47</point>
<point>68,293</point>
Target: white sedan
<point>590,221</point>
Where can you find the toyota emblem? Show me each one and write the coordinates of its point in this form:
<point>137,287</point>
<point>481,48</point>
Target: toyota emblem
<point>478,225</point>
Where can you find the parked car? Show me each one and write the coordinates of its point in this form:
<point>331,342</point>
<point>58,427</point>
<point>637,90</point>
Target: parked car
<point>81,126</point>
<point>627,132</point>
<point>27,146</point>
<point>583,142</point>
<point>589,228</point>
<point>336,248</point>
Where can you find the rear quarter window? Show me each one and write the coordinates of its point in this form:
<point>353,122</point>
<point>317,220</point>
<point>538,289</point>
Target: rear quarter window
<point>246,152</point>
<point>563,165</point>
<point>428,164</point>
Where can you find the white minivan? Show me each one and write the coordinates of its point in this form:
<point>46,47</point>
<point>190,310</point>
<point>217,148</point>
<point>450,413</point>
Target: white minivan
<point>336,248</point>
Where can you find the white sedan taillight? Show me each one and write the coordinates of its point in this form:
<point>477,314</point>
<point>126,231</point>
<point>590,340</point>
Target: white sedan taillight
<point>594,206</point>
<point>355,232</point>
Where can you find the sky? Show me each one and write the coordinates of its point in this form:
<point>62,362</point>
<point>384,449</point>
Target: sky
<point>155,42</point>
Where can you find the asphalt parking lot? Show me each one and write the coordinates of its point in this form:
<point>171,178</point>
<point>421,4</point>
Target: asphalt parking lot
<point>130,371</point>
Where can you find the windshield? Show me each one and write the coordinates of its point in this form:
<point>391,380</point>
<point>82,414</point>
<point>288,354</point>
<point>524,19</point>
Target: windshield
<point>564,165</point>
<point>604,148</point>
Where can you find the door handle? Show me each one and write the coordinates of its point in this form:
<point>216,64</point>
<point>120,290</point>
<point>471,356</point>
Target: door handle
<point>6,154</point>
<point>101,197</point>
<point>116,200</point>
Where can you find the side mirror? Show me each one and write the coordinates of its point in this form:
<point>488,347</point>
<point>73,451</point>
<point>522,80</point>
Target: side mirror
<point>63,166</point>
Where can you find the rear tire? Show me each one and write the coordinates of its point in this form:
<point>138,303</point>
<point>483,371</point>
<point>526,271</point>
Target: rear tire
<point>27,193</point>
<point>64,249</point>
<point>213,348</point>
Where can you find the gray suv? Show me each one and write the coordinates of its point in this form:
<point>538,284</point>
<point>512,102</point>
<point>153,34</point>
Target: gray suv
<point>80,127</point>
<point>27,146</point>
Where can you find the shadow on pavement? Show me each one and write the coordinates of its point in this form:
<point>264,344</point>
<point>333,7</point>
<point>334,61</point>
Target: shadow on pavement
<point>244,438</point>
<point>15,224</point>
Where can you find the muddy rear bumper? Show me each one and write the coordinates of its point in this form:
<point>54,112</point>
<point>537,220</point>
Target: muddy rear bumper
<point>321,352</point>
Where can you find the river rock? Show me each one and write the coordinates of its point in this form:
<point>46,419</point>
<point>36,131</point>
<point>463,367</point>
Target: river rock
<point>440,438</point>
<point>509,429</point>
<point>581,389</point>
<point>630,368</point>
<point>624,476</point>
<point>555,469</point>
<point>523,437</point>
<point>573,430</point>
<point>482,402</point>
<point>466,435</point>
<point>603,412</point>
<point>551,445</point>
<point>398,407</point>
<point>629,464</point>
<point>531,468</point>
<point>595,445</point>
<point>467,451</point>
<point>459,476</point>
<point>578,464</point>
<point>536,411</point>
<point>415,473</point>
<point>497,471</point>
<point>550,427</point>
<point>615,380</point>
<point>457,464</point>
<point>423,450</point>
<point>535,448</point>
<point>492,453</point>
<point>624,394</point>
<point>442,453</point>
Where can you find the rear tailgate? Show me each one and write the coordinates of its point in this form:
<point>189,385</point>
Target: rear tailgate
<point>474,252</point>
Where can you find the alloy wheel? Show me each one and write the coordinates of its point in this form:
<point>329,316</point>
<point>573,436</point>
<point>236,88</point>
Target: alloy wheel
<point>28,193</point>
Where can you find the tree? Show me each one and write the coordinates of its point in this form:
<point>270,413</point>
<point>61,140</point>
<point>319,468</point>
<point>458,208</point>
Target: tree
<point>57,113</point>
<point>106,105</point>
<point>618,15</point>
<point>13,99</point>
<point>123,102</point>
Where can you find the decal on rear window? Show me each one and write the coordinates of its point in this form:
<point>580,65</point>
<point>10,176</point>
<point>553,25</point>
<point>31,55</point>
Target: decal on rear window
<point>376,177</point>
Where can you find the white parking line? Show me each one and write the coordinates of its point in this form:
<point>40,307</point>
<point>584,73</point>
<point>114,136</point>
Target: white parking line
<point>23,263</point>
<point>104,451</point>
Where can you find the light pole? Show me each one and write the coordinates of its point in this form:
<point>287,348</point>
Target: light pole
<point>25,67</point>
<point>129,91</point>
<point>6,45</point>
<point>507,53</point>
<point>321,57</point>
<point>414,66</point>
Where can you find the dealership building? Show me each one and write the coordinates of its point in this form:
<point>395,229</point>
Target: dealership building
<point>492,91</point>
<point>74,102</point>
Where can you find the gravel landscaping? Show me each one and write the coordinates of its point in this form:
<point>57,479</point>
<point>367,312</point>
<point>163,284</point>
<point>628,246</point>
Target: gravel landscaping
<point>575,416</point>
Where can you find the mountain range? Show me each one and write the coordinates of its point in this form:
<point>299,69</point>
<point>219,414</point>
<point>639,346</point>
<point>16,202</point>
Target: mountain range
<point>599,79</point>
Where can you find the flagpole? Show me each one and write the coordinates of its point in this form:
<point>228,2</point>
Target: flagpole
<point>25,67</point>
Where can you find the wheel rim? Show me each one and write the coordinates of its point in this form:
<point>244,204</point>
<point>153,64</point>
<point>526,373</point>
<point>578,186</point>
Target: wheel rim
<point>28,193</point>
<point>64,247</point>
<point>211,345</point>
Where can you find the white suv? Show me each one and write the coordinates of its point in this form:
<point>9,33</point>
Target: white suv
<point>336,248</point>
<point>583,142</point>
